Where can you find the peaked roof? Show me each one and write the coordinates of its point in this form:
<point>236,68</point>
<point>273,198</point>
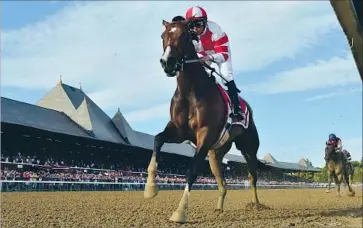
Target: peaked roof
<point>146,141</point>
<point>58,99</point>
<point>270,159</point>
<point>125,129</point>
<point>82,110</point>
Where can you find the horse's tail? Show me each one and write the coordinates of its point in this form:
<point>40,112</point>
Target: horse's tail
<point>262,166</point>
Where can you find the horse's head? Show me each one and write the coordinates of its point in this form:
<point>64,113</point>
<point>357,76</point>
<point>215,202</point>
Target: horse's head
<point>177,45</point>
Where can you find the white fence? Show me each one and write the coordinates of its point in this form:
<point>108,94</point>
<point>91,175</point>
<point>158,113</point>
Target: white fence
<point>28,186</point>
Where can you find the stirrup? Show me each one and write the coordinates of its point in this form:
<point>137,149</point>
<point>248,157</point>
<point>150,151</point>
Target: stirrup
<point>238,115</point>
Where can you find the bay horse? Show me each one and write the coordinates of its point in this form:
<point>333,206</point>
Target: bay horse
<point>199,113</point>
<point>337,169</point>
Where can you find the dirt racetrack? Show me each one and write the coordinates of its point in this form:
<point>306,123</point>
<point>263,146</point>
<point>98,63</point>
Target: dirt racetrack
<point>287,208</point>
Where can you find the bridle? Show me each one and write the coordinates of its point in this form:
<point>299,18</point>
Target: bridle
<point>179,66</point>
<point>180,62</point>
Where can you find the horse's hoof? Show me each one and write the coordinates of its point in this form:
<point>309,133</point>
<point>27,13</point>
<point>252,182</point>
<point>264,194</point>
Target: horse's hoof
<point>150,191</point>
<point>351,193</point>
<point>178,217</point>
<point>218,210</point>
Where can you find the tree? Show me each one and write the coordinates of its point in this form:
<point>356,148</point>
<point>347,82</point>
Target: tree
<point>308,162</point>
<point>361,162</point>
<point>356,164</point>
<point>358,175</point>
<point>321,176</point>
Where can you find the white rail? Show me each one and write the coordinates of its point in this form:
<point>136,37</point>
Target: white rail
<point>319,185</point>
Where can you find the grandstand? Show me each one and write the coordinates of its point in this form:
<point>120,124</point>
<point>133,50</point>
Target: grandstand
<point>66,130</point>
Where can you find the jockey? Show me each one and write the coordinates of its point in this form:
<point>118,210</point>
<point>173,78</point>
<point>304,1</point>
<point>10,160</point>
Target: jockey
<point>213,46</point>
<point>335,141</point>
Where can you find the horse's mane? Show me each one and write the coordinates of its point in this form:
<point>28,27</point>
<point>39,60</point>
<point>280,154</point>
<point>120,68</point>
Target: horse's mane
<point>191,51</point>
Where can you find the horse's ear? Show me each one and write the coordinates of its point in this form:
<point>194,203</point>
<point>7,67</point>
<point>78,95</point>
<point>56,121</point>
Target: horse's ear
<point>165,23</point>
<point>186,21</point>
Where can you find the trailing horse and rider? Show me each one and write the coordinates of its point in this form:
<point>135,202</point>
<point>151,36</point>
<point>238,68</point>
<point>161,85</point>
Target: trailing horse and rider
<point>201,110</point>
<point>338,163</point>
<point>337,143</point>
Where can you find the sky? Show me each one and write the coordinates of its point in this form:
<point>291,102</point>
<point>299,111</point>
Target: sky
<point>291,61</point>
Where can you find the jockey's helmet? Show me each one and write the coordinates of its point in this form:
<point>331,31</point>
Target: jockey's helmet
<point>332,137</point>
<point>197,16</point>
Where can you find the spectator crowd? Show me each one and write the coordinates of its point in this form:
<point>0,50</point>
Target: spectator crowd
<point>30,168</point>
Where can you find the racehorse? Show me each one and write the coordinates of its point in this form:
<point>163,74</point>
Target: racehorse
<point>199,113</point>
<point>337,168</point>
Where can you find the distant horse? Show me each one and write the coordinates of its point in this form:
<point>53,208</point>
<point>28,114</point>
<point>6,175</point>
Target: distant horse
<point>337,169</point>
<point>199,113</point>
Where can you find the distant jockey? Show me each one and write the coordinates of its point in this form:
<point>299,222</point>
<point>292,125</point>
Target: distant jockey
<point>338,145</point>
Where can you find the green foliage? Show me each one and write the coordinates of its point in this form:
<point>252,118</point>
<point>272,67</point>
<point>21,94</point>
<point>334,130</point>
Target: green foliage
<point>321,176</point>
<point>356,164</point>
<point>358,175</point>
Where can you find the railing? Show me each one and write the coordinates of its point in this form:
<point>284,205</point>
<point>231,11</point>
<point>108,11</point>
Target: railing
<point>34,186</point>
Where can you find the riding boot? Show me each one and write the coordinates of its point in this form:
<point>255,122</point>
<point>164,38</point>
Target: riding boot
<point>233,94</point>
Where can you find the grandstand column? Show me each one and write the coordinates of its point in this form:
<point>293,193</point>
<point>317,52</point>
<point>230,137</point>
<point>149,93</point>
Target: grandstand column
<point>151,189</point>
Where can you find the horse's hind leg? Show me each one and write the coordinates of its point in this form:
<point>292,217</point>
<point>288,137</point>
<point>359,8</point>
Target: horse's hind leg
<point>215,162</point>
<point>348,181</point>
<point>248,143</point>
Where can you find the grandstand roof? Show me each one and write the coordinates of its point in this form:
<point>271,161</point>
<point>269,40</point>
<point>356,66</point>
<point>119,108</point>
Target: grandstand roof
<point>68,110</point>
<point>302,165</point>
<point>82,110</point>
<point>20,113</point>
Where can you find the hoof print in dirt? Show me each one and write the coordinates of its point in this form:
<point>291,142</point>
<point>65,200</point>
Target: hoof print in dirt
<point>257,206</point>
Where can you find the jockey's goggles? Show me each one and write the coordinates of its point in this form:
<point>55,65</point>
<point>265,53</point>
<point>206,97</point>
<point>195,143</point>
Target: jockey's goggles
<point>197,24</point>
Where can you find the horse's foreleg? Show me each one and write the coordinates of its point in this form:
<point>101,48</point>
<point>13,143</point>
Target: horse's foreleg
<point>201,152</point>
<point>329,181</point>
<point>171,134</point>
<point>215,162</point>
<point>338,181</point>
